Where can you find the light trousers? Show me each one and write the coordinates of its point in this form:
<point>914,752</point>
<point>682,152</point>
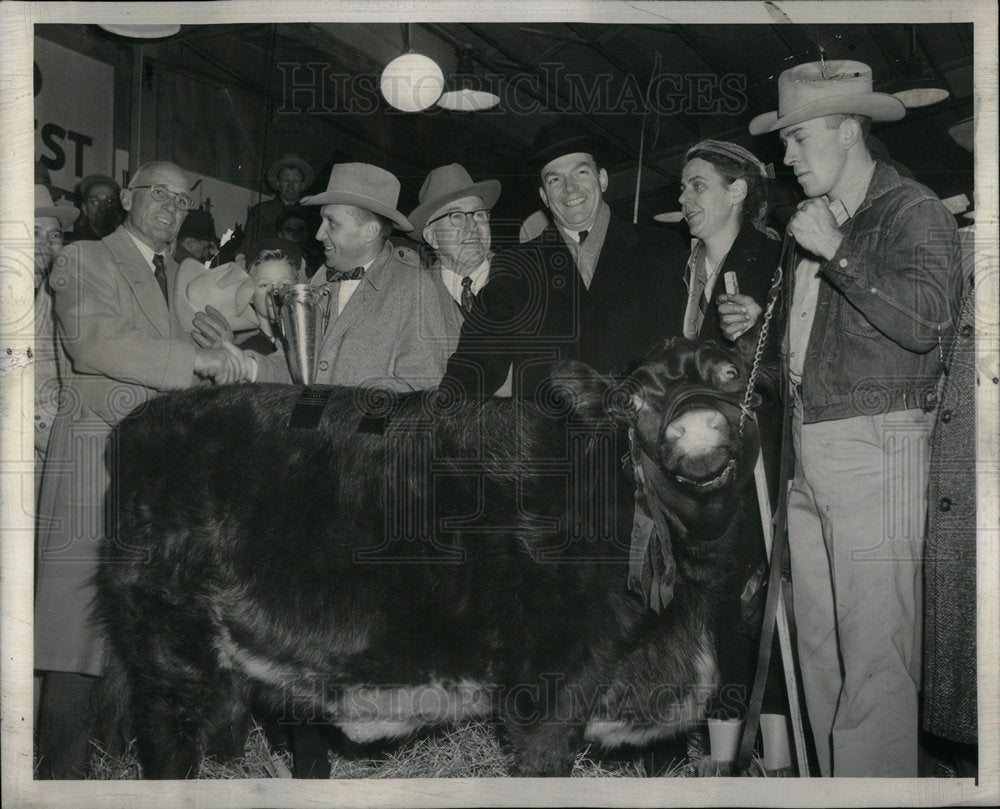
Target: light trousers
<point>856,521</point>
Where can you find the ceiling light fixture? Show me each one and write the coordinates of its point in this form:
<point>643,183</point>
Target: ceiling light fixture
<point>925,90</point>
<point>142,31</point>
<point>467,93</point>
<point>411,82</point>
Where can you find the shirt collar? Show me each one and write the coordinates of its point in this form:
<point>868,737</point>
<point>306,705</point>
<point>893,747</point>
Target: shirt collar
<point>147,251</point>
<point>847,205</point>
<point>599,228</point>
<point>453,281</point>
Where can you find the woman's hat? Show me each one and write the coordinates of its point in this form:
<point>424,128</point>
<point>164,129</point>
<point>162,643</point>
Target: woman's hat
<point>446,184</point>
<point>816,89</point>
<point>293,160</point>
<point>64,212</point>
<point>364,186</point>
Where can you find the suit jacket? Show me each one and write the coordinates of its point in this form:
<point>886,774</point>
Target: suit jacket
<point>391,334</point>
<point>123,347</point>
<point>536,310</point>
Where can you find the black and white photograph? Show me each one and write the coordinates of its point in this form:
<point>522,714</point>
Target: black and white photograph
<point>438,404</point>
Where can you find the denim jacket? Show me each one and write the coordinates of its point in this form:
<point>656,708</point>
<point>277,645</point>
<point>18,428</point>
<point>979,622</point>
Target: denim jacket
<point>889,299</point>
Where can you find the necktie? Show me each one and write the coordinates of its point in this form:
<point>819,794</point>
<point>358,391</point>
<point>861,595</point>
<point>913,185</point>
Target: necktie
<point>583,236</point>
<point>467,296</point>
<point>336,276</point>
<point>160,273</point>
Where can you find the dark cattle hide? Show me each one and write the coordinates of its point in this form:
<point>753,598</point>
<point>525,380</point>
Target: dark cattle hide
<point>418,559</point>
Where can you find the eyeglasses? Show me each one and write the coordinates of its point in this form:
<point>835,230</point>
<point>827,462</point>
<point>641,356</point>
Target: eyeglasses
<point>101,200</point>
<point>160,193</point>
<point>458,219</point>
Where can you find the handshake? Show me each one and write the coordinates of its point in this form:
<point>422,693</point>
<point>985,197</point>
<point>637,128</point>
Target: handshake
<point>217,359</point>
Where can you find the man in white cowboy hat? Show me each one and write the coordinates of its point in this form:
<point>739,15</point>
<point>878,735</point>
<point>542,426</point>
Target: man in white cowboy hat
<point>591,287</point>
<point>288,176</point>
<point>453,219</point>
<point>115,322</point>
<point>51,224</point>
<point>875,293</point>
<point>386,324</point>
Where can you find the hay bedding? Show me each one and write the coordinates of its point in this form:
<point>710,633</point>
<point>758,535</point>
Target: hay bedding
<point>469,750</point>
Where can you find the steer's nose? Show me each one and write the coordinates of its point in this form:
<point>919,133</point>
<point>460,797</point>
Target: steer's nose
<point>697,430</point>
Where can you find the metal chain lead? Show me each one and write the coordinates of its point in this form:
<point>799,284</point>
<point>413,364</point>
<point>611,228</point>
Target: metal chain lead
<point>759,351</point>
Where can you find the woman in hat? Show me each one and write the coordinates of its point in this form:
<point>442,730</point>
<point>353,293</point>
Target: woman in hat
<point>724,201</point>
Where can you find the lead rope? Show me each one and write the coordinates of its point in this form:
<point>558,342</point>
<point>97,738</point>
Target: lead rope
<point>773,295</point>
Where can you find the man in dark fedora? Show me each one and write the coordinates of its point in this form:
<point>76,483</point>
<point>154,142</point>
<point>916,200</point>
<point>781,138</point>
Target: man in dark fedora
<point>197,238</point>
<point>289,176</point>
<point>386,325</point>
<point>591,287</point>
<point>874,295</point>
<point>453,219</point>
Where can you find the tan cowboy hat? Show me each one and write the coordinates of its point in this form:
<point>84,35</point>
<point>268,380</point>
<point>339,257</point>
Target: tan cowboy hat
<point>816,89</point>
<point>364,186</point>
<point>227,287</point>
<point>446,184</point>
<point>293,160</point>
<point>64,212</point>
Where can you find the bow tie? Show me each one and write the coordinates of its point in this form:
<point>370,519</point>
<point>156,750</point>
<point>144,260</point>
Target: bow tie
<point>335,276</point>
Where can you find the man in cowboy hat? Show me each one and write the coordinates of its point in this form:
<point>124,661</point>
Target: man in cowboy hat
<point>115,321</point>
<point>875,292</point>
<point>591,287</point>
<point>197,238</point>
<point>453,219</point>
<point>386,324</point>
<point>288,176</point>
<point>51,223</point>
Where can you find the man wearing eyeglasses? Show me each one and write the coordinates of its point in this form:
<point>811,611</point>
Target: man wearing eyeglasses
<point>102,211</point>
<point>453,219</point>
<point>112,312</point>
<point>591,287</point>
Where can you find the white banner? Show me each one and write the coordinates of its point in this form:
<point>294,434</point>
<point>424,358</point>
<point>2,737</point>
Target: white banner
<point>74,114</point>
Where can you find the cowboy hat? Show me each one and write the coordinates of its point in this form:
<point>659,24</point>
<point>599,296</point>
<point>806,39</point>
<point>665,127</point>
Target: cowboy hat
<point>64,212</point>
<point>364,186</point>
<point>816,89</point>
<point>293,160</point>
<point>198,224</point>
<point>561,137</point>
<point>446,184</point>
<point>228,288</point>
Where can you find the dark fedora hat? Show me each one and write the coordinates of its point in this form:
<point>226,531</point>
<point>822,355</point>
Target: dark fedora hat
<point>562,136</point>
<point>198,224</point>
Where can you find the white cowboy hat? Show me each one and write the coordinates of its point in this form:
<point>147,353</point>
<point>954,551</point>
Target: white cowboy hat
<point>816,89</point>
<point>227,287</point>
<point>64,212</point>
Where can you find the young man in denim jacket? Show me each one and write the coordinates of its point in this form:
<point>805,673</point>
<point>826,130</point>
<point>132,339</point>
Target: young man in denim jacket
<point>875,289</point>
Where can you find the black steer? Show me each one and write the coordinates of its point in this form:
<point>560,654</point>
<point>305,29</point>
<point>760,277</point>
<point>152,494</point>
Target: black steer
<point>418,559</point>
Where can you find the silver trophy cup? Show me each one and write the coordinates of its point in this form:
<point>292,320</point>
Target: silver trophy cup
<point>301,313</point>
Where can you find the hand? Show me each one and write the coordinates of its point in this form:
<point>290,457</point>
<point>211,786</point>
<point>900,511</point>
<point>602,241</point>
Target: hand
<point>815,229</point>
<point>737,314</point>
<point>247,367</point>
<point>218,365</point>
<point>211,329</point>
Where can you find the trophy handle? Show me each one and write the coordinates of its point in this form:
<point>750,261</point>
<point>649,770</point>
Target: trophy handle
<point>276,301</point>
<point>329,305</point>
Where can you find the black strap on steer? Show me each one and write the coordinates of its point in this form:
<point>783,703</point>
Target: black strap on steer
<point>309,408</point>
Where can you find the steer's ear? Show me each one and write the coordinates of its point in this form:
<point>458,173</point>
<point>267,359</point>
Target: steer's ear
<point>580,389</point>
